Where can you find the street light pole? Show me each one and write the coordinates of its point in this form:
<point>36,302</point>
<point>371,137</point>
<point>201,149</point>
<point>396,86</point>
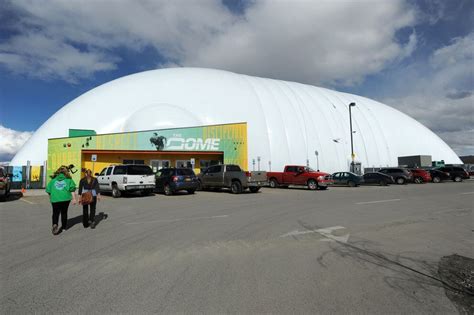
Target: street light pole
<point>352,140</point>
<point>317,158</point>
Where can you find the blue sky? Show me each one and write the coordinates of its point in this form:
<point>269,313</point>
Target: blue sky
<point>416,56</point>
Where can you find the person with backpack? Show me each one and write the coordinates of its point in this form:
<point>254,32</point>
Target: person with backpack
<point>89,193</point>
<point>61,190</point>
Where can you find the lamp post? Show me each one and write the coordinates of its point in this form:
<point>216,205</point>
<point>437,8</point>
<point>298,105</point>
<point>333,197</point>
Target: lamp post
<point>317,158</point>
<point>352,141</point>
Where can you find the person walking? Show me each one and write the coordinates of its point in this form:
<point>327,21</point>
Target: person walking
<point>61,190</point>
<point>89,193</point>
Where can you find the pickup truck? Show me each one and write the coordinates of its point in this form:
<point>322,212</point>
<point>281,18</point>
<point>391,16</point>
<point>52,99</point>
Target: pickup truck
<point>233,177</point>
<point>126,178</point>
<point>300,175</point>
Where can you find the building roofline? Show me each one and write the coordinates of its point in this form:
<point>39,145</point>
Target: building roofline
<point>125,132</point>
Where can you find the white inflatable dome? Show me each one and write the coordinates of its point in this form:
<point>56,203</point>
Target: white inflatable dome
<point>287,121</point>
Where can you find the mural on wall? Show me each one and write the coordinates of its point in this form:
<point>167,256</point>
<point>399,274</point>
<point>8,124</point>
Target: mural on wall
<point>35,173</point>
<point>230,139</point>
<point>17,174</point>
<point>158,141</point>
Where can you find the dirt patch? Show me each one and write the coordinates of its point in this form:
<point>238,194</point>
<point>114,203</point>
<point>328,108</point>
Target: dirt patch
<point>458,274</point>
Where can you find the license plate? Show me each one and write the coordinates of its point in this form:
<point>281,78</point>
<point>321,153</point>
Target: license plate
<point>187,179</point>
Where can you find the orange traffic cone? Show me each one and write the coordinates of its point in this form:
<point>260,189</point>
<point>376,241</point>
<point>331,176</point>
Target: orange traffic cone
<point>23,190</point>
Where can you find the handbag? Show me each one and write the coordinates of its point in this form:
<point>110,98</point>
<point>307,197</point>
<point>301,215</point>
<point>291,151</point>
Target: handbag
<point>87,198</point>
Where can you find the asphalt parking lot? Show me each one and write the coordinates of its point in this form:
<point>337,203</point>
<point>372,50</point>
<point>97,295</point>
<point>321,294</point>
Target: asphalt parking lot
<point>345,250</point>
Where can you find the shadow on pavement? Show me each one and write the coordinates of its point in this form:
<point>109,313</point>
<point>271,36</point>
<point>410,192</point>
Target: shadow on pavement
<point>100,217</point>
<point>13,196</point>
<point>73,221</point>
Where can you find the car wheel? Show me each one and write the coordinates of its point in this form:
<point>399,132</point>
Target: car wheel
<point>351,183</point>
<point>191,191</point>
<point>116,193</point>
<point>312,185</point>
<point>168,191</point>
<point>436,179</point>
<point>236,187</point>
<point>457,179</point>
<point>400,180</point>
<point>418,180</point>
<point>273,183</point>
<point>254,189</point>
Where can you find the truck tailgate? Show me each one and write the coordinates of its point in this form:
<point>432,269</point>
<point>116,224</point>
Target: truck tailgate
<point>258,176</point>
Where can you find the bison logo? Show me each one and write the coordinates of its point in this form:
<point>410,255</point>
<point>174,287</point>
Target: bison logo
<point>158,141</point>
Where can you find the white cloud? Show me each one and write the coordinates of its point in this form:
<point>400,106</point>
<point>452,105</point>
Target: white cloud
<point>440,94</point>
<point>314,42</point>
<point>307,41</point>
<point>11,141</point>
<point>40,56</point>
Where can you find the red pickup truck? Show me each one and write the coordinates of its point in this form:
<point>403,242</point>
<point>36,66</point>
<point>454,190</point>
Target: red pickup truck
<point>300,175</point>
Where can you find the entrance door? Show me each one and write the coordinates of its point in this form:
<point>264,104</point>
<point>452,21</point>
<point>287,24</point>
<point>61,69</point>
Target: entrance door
<point>157,165</point>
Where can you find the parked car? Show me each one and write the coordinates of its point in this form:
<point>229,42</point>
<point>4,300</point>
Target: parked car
<point>438,176</point>
<point>233,177</point>
<point>401,176</point>
<point>5,184</point>
<point>420,175</point>
<point>377,179</point>
<point>457,173</point>
<point>470,170</point>
<point>346,179</point>
<point>171,180</point>
<point>300,175</point>
<point>126,178</point>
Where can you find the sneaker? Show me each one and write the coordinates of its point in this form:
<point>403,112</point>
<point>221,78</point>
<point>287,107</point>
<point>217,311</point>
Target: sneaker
<point>93,225</point>
<point>89,223</point>
<point>63,229</point>
<point>55,229</point>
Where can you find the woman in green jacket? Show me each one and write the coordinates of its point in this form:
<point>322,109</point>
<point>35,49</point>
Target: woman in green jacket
<point>61,190</point>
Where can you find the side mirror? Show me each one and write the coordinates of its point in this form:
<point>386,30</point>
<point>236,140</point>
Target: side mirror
<point>96,174</point>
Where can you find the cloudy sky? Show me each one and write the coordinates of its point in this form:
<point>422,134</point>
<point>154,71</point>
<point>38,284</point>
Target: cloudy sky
<point>416,56</point>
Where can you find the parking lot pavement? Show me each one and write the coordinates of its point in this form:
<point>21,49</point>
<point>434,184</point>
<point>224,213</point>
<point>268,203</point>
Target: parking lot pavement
<point>357,250</point>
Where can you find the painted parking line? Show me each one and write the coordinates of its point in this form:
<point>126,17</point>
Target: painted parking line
<point>183,219</point>
<point>27,201</point>
<point>467,193</point>
<point>376,201</point>
<point>326,232</point>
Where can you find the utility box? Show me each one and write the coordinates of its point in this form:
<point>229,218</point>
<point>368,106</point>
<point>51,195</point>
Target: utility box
<point>357,168</point>
<point>415,161</point>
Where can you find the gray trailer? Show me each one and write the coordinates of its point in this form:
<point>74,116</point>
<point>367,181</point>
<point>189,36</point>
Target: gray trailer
<point>415,161</point>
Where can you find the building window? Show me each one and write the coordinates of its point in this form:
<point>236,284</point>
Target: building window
<point>140,162</point>
<point>206,163</point>
<point>183,164</point>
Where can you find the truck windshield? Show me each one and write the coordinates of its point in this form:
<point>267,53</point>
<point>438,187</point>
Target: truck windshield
<point>139,170</point>
<point>309,169</point>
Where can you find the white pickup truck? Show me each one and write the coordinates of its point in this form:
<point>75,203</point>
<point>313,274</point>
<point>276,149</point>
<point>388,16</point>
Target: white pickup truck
<point>126,178</point>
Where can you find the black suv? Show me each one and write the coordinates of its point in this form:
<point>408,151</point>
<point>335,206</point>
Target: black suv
<point>171,180</point>
<point>456,173</point>
<point>400,175</point>
<point>376,178</point>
